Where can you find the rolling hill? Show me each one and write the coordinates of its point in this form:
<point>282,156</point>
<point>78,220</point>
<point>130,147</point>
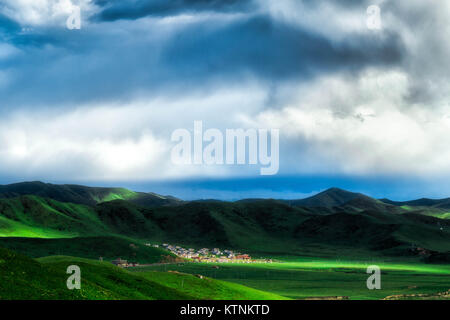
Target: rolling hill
<point>25,278</point>
<point>332,197</point>
<point>207,288</point>
<point>334,220</point>
<point>82,194</point>
<point>431,207</point>
<point>424,202</point>
<point>33,216</point>
<point>45,279</point>
<point>107,247</point>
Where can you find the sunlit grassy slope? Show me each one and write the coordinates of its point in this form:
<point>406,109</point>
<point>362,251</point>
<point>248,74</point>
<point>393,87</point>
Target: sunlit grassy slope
<point>24,278</point>
<point>33,216</point>
<point>158,285</point>
<point>208,288</point>
<point>45,278</point>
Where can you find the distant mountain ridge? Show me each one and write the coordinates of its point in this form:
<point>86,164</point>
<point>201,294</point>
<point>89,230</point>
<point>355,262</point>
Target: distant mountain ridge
<point>332,197</point>
<point>331,220</point>
<point>266,226</point>
<point>423,202</point>
<point>326,202</point>
<point>335,200</point>
<point>83,195</point>
<point>79,194</point>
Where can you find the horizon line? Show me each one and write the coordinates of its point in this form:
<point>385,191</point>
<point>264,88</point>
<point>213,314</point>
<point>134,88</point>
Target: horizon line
<point>217,199</point>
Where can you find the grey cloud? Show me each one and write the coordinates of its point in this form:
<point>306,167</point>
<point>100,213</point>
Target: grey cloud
<point>274,50</point>
<point>426,63</point>
<point>135,9</point>
<point>85,65</point>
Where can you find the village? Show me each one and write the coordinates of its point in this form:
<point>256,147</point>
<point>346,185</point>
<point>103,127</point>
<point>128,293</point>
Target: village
<point>206,255</point>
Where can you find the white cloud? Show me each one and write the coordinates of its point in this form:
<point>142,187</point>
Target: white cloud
<point>43,12</point>
<point>115,142</point>
<point>42,147</point>
<point>323,17</point>
<point>363,126</point>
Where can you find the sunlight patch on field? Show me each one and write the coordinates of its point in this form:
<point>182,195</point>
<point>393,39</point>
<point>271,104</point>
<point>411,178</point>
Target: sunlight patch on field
<point>331,264</point>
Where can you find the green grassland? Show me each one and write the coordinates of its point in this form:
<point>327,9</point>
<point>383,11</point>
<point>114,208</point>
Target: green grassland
<point>323,278</point>
<point>25,278</point>
<point>45,278</point>
<point>208,288</point>
<point>33,216</point>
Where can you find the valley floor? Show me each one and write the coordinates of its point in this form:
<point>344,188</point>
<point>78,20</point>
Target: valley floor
<point>322,278</point>
<point>22,277</point>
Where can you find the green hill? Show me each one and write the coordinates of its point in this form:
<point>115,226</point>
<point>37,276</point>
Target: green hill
<point>82,194</point>
<point>329,198</point>
<point>430,207</point>
<point>207,288</point>
<point>24,278</point>
<point>358,223</point>
<point>270,226</point>
<point>33,216</point>
<point>424,202</point>
<point>185,286</point>
<point>265,226</point>
<point>109,248</point>
<point>336,200</point>
<point>45,279</point>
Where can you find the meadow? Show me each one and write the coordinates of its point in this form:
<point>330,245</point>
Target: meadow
<point>45,279</point>
<point>322,278</point>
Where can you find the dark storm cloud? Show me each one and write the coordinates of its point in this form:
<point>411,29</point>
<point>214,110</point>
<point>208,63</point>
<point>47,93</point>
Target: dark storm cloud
<point>84,65</point>
<point>134,9</point>
<point>274,50</point>
<point>8,28</point>
<point>8,25</point>
<point>428,66</point>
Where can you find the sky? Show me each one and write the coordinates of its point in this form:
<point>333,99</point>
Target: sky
<point>361,108</point>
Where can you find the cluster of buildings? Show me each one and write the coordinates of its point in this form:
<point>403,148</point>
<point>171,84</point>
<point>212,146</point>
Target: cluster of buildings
<point>122,263</point>
<point>205,255</point>
<point>209,255</point>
